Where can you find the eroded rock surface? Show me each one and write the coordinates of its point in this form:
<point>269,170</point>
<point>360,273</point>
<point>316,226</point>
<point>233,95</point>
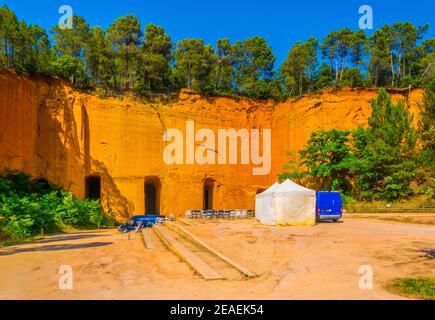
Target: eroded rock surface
<point>58,133</point>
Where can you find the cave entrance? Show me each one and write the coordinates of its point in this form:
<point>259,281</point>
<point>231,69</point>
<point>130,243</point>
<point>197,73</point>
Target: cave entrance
<point>93,188</point>
<point>207,201</point>
<point>152,195</point>
<point>41,185</point>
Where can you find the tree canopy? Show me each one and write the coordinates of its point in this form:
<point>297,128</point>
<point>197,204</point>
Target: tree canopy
<point>128,57</point>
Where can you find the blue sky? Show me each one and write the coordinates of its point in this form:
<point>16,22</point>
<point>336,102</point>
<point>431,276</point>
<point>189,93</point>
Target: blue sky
<point>281,22</point>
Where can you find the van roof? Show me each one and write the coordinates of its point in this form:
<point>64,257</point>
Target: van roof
<point>328,191</point>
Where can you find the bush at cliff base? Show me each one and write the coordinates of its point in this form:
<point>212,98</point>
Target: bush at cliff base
<point>29,207</point>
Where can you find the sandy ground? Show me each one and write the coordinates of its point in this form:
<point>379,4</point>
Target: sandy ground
<point>423,218</point>
<point>320,262</point>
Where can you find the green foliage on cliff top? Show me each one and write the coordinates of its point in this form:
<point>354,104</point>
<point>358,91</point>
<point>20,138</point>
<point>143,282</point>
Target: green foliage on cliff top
<point>126,57</point>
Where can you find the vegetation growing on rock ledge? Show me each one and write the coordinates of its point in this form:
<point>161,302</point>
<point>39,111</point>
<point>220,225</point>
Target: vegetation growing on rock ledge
<point>126,57</point>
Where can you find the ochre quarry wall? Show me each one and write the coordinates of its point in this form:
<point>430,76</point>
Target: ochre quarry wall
<point>60,134</point>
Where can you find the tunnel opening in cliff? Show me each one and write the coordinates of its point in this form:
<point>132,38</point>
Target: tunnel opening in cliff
<point>42,185</point>
<point>152,195</point>
<point>93,187</point>
<point>208,195</point>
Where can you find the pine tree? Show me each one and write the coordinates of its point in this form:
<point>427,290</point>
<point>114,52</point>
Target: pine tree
<point>98,58</point>
<point>380,58</point>
<point>194,62</point>
<point>9,35</point>
<point>299,68</point>
<point>427,122</point>
<point>125,36</point>
<point>223,70</point>
<point>426,169</point>
<point>153,66</point>
<point>386,163</point>
<point>72,42</point>
<point>253,63</point>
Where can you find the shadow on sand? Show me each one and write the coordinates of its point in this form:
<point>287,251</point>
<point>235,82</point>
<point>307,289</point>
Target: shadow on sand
<point>55,247</point>
<point>70,236</point>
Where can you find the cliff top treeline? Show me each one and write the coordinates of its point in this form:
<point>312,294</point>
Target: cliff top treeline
<point>126,57</point>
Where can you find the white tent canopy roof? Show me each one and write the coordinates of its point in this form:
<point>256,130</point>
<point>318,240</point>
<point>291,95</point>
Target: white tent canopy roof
<point>289,185</point>
<point>271,189</point>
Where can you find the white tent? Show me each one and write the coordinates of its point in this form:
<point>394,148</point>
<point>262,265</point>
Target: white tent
<point>264,205</point>
<point>286,204</point>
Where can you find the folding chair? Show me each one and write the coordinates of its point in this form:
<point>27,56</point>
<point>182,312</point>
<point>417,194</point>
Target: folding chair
<point>233,214</point>
<point>217,214</point>
<point>139,226</point>
<point>203,213</point>
<point>227,214</point>
<point>209,214</point>
<point>244,214</point>
<point>196,214</point>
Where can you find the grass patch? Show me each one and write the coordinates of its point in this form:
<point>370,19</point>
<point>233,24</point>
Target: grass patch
<point>420,219</point>
<point>417,220</point>
<point>421,288</point>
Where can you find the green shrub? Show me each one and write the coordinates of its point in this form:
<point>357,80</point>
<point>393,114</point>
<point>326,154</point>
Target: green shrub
<point>20,226</point>
<point>28,207</point>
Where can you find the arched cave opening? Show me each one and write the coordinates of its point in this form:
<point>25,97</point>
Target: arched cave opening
<point>93,188</point>
<point>152,191</point>
<point>207,201</point>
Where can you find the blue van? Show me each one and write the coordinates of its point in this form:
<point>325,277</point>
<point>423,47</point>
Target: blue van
<point>329,206</point>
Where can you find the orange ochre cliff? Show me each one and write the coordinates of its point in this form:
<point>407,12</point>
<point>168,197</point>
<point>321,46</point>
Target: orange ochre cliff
<point>82,142</point>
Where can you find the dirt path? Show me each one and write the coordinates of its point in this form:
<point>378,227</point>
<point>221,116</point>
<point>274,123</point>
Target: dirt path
<point>292,262</point>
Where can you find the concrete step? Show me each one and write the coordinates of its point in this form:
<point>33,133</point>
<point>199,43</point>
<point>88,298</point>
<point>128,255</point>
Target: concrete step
<point>195,262</point>
<point>186,222</point>
<point>148,238</point>
<point>195,239</point>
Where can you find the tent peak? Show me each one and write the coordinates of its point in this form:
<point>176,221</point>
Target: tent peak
<point>289,185</point>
